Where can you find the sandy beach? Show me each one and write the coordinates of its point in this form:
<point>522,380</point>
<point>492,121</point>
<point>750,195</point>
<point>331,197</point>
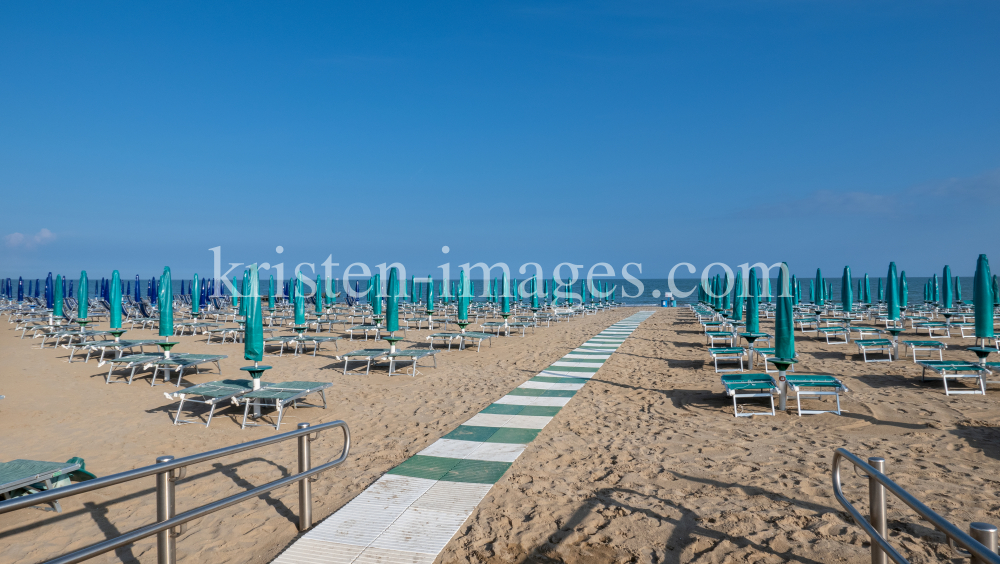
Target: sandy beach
<point>645,464</point>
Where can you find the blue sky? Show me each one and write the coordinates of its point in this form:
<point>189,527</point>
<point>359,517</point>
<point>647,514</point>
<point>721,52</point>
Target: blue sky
<point>819,133</point>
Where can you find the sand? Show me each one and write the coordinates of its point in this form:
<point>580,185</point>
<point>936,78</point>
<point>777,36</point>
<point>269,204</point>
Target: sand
<point>645,464</point>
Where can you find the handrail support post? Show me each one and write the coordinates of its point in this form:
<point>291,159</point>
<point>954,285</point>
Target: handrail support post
<point>166,542</point>
<point>305,484</point>
<point>986,534</point>
<point>877,507</point>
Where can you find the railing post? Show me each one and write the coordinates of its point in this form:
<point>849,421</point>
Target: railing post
<point>986,534</point>
<point>876,504</point>
<point>166,544</point>
<point>305,485</point>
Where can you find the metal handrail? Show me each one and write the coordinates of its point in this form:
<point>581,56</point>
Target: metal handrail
<point>980,553</point>
<point>164,472</point>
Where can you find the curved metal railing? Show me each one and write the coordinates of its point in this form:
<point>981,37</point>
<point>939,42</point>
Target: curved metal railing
<point>166,476</point>
<point>878,483</point>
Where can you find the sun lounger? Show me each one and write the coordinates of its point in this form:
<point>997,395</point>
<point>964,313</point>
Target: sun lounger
<point>915,346</point>
<point>815,385</point>
<point>725,336</point>
<point>497,325</point>
<point>734,354</point>
<point>956,370</point>
<point>477,337</point>
<point>862,331</point>
<point>25,477</point>
<point>835,331</point>
<point>765,353</point>
<point>933,326</point>
<point>103,346</point>
<point>365,328</point>
<point>866,346</point>
<point>281,395</point>
<point>180,361</point>
<point>749,386</point>
<point>412,354</point>
<point>445,338</point>
<point>968,330</point>
<point>211,394</point>
<point>362,355</point>
<point>523,326</point>
<point>807,324</point>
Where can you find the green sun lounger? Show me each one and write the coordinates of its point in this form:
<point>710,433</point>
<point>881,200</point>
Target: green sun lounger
<point>733,354</point>
<point>915,346</point>
<point>211,394</point>
<point>835,331</point>
<point>476,336</point>
<point>413,355</point>
<point>749,386</point>
<point>25,477</point>
<point>817,386</point>
<point>281,396</point>
<point>956,370</point>
<point>875,345</point>
<point>362,355</point>
<point>727,336</point>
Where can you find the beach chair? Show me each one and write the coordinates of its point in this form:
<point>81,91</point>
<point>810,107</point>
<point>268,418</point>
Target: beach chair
<point>835,331</point>
<point>727,354</point>
<point>414,355</point>
<point>497,325</point>
<point>362,355</point>
<point>477,337</point>
<point>724,336</point>
<point>281,396</point>
<point>210,394</point>
<point>968,330</point>
<point>807,324</point>
<point>934,326</point>
<point>816,386</point>
<point>445,338</point>
<point>928,346</point>
<point>179,361</point>
<point>765,353</point>
<point>875,345</point>
<point>25,477</point>
<point>864,331</point>
<point>364,328</point>
<point>740,386</point>
<point>956,370</point>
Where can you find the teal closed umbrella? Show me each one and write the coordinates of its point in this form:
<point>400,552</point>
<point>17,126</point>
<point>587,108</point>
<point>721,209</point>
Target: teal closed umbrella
<point>934,289</point>
<point>892,293</point>
<point>430,294</point>
<point>753,313</point>
<point>165,300</point>
<point>819,287</point>
<point>57,311</point>
<point>235,291</point>
<point>846,296</point>
<point>946,295</point>
<point>300,303</point>
<point>244,303</point>
<point>116,300</point>
<point>904,290</point>
<point>377,296</point>
<point>795,290</point>
<point>505,295</point>
<point>738,297</point>
<point>726,304</point>
<point>958,290</point>
<point>868,290</point>
<point>253,337</point>
<point>392,301</point>
<point>82,296</point>
<point>881,297</point>
<point>319,295</point>
<point>270,293</point>
<point>784,333</point>
<point>534,292</point>
<point>195,294</point>
<point>983,300</point>
<point>812,291</point>
<point>463,296</point>
<point>996,291</point>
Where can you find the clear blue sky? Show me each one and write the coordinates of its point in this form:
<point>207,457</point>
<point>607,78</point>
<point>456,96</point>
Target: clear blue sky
<point>819,133</point>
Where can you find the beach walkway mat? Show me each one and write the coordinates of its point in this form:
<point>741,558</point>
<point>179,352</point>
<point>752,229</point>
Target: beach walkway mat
<point>412,512</point>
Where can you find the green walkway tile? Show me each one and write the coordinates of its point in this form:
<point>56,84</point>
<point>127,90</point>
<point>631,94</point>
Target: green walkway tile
<point>556,394</point>
<point>540,410</point>
<point>504,408</point>
<point>429,467</point>
<point>476,472</point>
<point>471,433</point>
<point>514,435</point>
<point>554,380</point>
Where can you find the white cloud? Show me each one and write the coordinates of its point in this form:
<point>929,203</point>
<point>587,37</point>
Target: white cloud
<point>15,240</point>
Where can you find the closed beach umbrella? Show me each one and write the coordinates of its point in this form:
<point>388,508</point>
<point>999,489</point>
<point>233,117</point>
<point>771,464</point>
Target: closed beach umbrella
<point>300,303</point>
<point>57,309</point>
<point>947,297</point>
<point>868,290</point>
<point>116,300</point>
<point>996,291</point>
<point>430,294</point>
<point>319,295</point>
<point>20,289</point>
<point>534,292</point>
<point>881,296</point>
<point>413,289</point>
<point>271,288</point>
<point>243,295</point>
<point>819,287</point>
<point>753,315</point>
<point>795,290</point>
<point>463,296</point>
<point>505,297</point>
<point>738,297</point>
<point>982,300</point>
<point>892,293</point>
<point>166,301</point>
<point>48,291</point>
<point>234,302</point>
<point>377,295</point>
<point>392,301</point>
<point>726,304</point>
<point>784,328</point>
<point>904,290</point>
<point>935,288</point>
<point>846,296</point>
<point>82,296</point>
<point>253,336</point>
<point>195,293</point>
<point>137,295</point>
<point>958,290</point>
<point>812,291</point>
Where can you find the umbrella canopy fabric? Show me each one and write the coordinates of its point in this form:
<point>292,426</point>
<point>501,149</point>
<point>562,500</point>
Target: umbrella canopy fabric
<point>376,296</point>
<point>137,295</point>
<point>242,292</point>
<point>463,296</point>
<point>846,295</point>
<point>300,303</point>
<point>795,290</point>
<point>935,288</point>
<point>83,295</point>
<point>253,336</point>
<point>116,300</point>
<point>881,297</point>
<point>892,293</point>
<point>784,325</point>
<point>982,299</point>
<point>868,290</point>
<point>753,313</point>
<point>505,297</point>
<point>996,291</point>
<point>270,293</point>
<point>534,292</point>
<point>958,290</point>
<point>947,297</point>
<point>57,309</point>
<point>195,293</point>
<point>392,301</point>
<point>726,303</point>
<point>430,294</point>
<point>48,291</point>
<point>819,288</point>
<point>166,302</point>
<point>738,297</point>
<point>319,295</point>
<point>904,290</point>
